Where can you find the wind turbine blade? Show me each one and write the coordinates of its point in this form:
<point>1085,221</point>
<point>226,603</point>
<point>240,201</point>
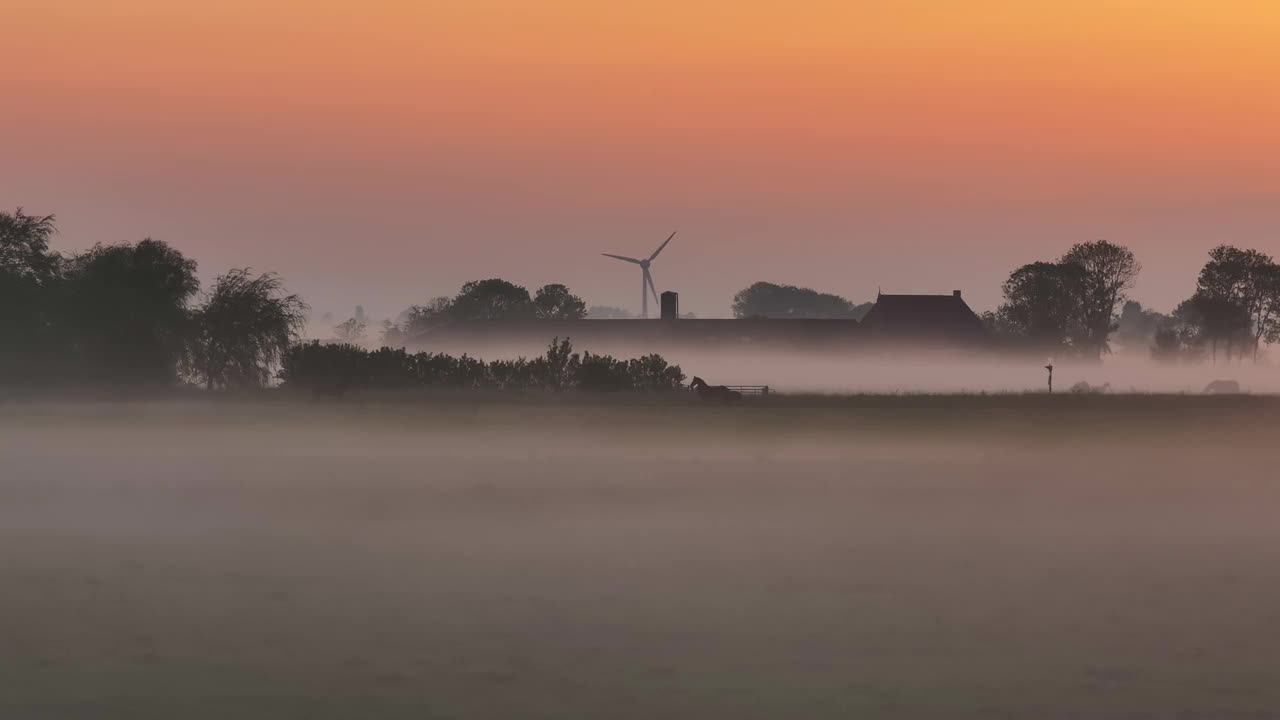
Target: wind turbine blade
<point>619,257</point>
<point>648,278</point>
<point>664,244</point>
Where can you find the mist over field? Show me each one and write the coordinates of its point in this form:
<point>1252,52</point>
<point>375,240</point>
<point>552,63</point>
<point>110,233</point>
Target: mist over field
<point>915,370</point>
<point>959,372</point>
<point>912,557</point>
<point>950,391</point>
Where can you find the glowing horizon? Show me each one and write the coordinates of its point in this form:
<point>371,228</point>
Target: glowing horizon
<point>392,151</point>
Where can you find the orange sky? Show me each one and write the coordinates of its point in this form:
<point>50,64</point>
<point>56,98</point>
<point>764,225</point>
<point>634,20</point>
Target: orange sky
<point>383,152</point>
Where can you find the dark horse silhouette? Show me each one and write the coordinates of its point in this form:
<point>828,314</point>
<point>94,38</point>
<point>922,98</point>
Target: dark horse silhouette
<point>714,393</point>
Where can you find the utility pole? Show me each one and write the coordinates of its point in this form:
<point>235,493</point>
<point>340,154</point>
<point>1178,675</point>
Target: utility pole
<point>1049,367</point>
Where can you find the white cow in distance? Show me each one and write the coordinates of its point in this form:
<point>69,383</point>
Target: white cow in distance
<point>1222,387</point>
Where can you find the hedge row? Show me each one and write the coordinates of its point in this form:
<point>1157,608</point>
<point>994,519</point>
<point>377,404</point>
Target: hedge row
<point>335,368</point>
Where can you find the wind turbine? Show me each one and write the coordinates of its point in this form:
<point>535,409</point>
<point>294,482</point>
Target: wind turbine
<point>646,277</point>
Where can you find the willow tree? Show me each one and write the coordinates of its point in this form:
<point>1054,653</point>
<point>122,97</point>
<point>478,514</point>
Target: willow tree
<point>24,245</point>
<point>127,308</point>
<point>243,330</point>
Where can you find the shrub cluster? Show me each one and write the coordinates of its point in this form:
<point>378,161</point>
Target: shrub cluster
<point>335,368</point>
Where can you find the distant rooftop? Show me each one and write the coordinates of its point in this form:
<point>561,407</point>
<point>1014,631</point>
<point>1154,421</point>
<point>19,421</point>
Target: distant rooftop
<point>937,316</point>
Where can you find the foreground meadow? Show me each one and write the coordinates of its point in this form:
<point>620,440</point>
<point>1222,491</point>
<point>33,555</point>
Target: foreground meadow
<point>907,557</point>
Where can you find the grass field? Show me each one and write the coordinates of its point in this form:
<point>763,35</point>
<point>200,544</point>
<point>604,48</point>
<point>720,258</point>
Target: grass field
<point>869,556</point>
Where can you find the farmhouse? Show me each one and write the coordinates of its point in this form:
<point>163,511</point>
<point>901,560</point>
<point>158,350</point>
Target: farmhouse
<point>935,320</point>
<point>924,317</point>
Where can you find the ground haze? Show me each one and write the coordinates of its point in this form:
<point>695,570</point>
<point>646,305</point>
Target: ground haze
<point>469,556</point>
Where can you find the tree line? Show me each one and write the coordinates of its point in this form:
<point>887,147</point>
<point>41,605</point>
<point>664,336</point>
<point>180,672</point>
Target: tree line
<point>134,315</point>
<point>1075,304</point>
<point>336,368</point>
<point>492,299</point>
<point>1068,305</point>
<point>498,299</point>
<point>771,300</point>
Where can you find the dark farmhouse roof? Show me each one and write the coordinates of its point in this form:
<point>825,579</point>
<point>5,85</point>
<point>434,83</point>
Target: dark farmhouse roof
<point>924,317</point>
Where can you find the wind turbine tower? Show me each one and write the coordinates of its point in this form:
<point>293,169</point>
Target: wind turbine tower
<point>646,277</point>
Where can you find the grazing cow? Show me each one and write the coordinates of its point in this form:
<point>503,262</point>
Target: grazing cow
<point>1222,387</point>
<point>714,393</point>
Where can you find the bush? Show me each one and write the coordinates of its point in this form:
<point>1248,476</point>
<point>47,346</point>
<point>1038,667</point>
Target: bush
<point>335,368</point>
<point>331,369</point>
<point>653,372</point>
<point>602,373</point>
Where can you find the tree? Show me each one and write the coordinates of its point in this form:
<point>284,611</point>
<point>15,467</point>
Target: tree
<point>559,365</point>
<point>393,334</point>
<point>555,302</point>
<point>128,307</point>
<point>1042,302</point>
<point>493,299</point>
<point>1261,299</point>
<point>1109,272</point>
<point>30,345</point>
<point>999,326</point>
<point>1137,326</point>
<point>421,318</point>
<point>1216,320</point>
<point>244,329</point>
<point>24,246</point>
<point>1176,341</point>
<point>1238,299</point>
<point>351,331</point>
<point>765,299</point>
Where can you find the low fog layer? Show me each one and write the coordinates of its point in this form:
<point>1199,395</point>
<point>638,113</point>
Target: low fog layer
<point>915,370</point>
<point>1099,557</point>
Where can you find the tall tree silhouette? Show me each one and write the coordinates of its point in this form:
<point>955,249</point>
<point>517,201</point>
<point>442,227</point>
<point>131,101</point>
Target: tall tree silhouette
<point>244,328</point>
<point>1042,302</point>
<point>128,308</point>
<point>1109,272</point>
<point>29,342</point>
<point>1238,294</point>
<point>24,246</point>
